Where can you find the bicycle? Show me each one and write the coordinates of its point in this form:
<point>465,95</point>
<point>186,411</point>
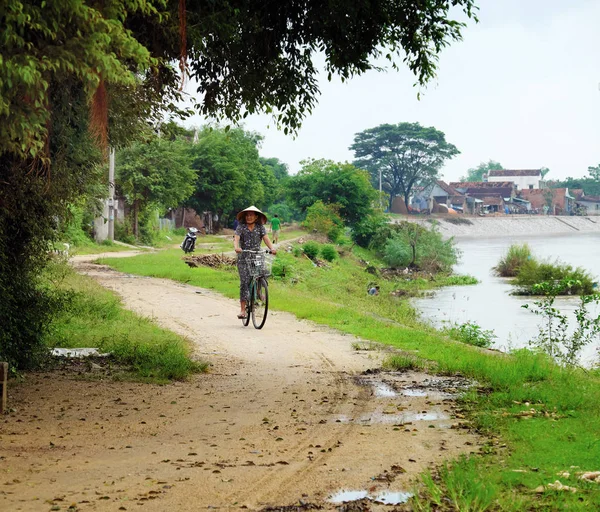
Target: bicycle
<point>259,265</point>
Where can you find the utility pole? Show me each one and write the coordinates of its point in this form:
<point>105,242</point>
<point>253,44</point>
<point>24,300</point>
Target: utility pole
<point>111,195</point>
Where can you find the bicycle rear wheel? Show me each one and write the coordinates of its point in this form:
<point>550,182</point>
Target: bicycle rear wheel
<point>260,302</point>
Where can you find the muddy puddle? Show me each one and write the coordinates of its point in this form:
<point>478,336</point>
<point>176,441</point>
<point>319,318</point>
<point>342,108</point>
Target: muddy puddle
<point>399,399</point>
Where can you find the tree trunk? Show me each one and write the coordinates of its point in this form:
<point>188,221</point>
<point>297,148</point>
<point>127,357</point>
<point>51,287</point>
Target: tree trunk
<point>136,207</point>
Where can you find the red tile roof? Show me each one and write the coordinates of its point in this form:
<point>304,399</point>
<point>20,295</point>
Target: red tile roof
<point>482,184</point>
<point>516,172</point>
<point>447,188</point>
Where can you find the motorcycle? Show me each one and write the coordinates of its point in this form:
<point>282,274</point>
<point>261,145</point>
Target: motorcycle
<point>189,242</point>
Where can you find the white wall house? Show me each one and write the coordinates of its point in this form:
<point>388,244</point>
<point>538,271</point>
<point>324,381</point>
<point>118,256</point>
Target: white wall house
<point>523,179</point>
<point>590,203</point>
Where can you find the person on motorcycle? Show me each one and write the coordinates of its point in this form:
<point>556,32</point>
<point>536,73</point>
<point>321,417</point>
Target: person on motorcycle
<point>248,236</point>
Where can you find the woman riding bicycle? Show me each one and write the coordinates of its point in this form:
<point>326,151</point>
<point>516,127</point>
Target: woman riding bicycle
<point>248,236</point>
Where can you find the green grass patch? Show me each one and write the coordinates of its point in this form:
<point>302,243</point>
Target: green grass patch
<point>526,448</point>
<point>94,317</point>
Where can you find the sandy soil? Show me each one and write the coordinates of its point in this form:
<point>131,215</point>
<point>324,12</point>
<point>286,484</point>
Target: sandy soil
<point>289,415</point>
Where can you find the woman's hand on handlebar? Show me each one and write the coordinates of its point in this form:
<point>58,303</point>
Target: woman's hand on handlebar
<point>238,250</point>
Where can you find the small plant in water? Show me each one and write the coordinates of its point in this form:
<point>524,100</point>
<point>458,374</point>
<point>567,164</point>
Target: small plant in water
<point>472,334</point>
<point>555,338</point>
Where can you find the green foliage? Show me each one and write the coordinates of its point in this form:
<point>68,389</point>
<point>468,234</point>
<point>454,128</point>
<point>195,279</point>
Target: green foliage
<point>458,485</point>
<point>329,252</point>
<point>311,249</point>
<point>364,231</point>
<point>555,338</point>
<point>230,175</point>
<point>590,186</point>
<point>510,264</point>
<point>476,173</point>
<point>412,245</point>
<point>154,174</point>
<point>564,279</point>
<point>285,212</point>
<point>332,183</point>
<point>324,218</point>
<point>406,154</point>
<point>594,172</point>
<point>472,334</point>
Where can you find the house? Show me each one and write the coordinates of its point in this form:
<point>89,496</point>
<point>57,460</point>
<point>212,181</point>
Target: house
<point>590,204</point>
<point>554,201</point>
<point>522,178</point>
<point>487,197</point>
<point>438,193</point>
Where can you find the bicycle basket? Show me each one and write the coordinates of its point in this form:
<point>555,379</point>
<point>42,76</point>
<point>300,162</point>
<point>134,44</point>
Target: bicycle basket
<point>259,264</point>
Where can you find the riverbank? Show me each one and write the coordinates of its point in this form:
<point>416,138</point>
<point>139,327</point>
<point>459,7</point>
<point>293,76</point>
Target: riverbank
<point>506,225</point>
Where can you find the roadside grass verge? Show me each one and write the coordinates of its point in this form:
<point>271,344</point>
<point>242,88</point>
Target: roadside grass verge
<point>540,419</point>
<point>94,317</point>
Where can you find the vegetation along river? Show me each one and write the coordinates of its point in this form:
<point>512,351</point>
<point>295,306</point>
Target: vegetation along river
<point>490,303</point>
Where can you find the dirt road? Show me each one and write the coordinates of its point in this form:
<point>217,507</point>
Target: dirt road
<point>287,415</point>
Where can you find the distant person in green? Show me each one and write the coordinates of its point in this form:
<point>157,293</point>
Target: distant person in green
<point>275,227</point>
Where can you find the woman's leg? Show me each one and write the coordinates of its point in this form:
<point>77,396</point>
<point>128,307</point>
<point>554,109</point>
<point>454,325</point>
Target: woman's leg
<point>244,287</point>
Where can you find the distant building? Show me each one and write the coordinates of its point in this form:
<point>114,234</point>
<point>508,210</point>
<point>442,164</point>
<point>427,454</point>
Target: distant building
<point>522,178</point>
<point>591,204</point>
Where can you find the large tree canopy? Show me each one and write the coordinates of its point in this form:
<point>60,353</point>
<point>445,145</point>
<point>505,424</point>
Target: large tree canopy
<point>154,174</point>
<point>406,154</point>
<point>230,175</point>
<point>333,183</point>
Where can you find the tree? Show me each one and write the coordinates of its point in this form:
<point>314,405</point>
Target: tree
<point>594,172</point>
<point>230,176</point>
<point>109,67</point>
<point>544,171</point>
<point>277,167</point>
<point>476,173</point>
<point>332,183</point>
<point>406,154</point>
<point>154,174</point>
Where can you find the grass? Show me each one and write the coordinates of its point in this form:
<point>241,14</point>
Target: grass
<point>94,317</point>
<point>525,449</point>
<point>510,264</point>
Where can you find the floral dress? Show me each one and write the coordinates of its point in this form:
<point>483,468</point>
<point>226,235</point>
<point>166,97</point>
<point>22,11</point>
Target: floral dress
<point>249,241</point>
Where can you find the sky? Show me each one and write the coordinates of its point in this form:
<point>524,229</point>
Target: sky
<point>522,88</point>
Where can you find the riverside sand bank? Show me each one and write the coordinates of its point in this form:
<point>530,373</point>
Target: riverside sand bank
<point>507,225</point>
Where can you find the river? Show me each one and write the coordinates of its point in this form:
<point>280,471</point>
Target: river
<point>489,303</point>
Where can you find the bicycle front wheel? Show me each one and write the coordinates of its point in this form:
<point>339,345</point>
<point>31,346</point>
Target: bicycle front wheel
<point>260,302</point>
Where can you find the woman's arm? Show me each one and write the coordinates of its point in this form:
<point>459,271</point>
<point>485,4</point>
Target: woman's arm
<point>236,244</point>
<point>269,244</point>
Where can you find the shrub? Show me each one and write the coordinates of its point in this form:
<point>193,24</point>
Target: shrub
<point>472,334</point>
<point>564,279</point>
<point>367,228</point>
<point>324,218</point>
<point>516,256</point>
<point>412,245</point>
<point>329,252</point>
<point>297,251</point>
<point>311,249</point>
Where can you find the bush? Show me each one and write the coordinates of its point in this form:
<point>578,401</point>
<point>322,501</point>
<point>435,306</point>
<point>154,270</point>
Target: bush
<point>329,252</point>
<point>412,245</point>
<point>516,256</point>
<point>324,218</point>
<point>564,279</point>
<point>472,334</point>
<point>367,228</point>
<point>311,249</point>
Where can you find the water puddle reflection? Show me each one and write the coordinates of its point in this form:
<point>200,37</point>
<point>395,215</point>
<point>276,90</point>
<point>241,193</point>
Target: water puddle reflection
<point>401,418</point>
<point>384,497</point>
<point>345,496</point>
<point>383,390</point>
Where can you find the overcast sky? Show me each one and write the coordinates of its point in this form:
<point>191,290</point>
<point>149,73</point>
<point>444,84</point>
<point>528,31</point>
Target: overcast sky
<point>522,88</point>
